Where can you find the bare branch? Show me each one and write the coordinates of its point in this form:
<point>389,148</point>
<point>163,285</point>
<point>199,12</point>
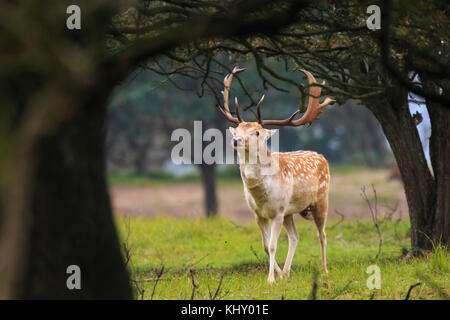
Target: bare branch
<point>411,288</point>
<point>158,277</point>
<point>194,285</point>
<point>373,214</point>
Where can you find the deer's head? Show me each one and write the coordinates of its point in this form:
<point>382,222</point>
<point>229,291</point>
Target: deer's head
<point>247,133</point>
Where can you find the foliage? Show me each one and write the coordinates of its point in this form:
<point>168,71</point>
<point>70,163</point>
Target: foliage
<point>347,134</point>
<point>381,68</point>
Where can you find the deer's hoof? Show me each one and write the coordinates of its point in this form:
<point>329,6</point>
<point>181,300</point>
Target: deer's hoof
<point>271,279</point>
<point>285,275</point>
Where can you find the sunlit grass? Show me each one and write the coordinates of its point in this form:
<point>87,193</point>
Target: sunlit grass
<point>216,247</point>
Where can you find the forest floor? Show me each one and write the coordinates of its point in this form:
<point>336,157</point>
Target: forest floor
<point>224,260</point>
<point>153,197</point>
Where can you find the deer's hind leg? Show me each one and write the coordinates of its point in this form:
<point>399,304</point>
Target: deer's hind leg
<point>320,217</point>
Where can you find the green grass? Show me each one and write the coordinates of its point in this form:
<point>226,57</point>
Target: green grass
<point>216,247</point>
<point>347,169</point>
<point>158,178</point>
<point>228,175</point>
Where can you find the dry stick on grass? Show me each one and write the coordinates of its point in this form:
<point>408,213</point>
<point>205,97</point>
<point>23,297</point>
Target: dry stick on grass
<point>127,253</point>
<point>374,214</point>
<point>140,291</point>
<point>151,279</point>
<point>197,262</point>
<point>158,277</point>
<point>217,290</point>
<point>411,288</point>
<point>125,247</point>
<point>342,290</point>
<point>194,285</point>
<point>392,210</point>
<point>236,225</point>
<point>340,220</point>
<point>255,254</point>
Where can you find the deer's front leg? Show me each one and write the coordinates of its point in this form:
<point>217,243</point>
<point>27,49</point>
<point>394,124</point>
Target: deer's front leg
<point>292,233</point>
<point>264,227</point>
<point>277,223</point>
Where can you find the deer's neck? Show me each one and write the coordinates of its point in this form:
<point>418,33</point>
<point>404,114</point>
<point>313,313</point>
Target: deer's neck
<point>254,170</point>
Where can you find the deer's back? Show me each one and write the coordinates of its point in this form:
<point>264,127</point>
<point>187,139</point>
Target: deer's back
<point>308,175</point>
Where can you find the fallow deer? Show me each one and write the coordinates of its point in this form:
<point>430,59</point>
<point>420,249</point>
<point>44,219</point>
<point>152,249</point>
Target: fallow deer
<point>299,182</point>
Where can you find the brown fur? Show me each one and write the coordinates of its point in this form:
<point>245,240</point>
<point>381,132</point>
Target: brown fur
<point>300,186</point>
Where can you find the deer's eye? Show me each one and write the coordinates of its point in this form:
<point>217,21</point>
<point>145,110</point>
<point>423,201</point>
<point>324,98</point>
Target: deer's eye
<point>256,133</point>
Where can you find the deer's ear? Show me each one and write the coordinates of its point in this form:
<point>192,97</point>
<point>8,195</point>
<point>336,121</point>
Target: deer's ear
<point>232,130</point>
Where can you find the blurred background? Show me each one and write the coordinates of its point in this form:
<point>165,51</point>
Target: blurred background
<point>148,107</point>
<point>86,115</point>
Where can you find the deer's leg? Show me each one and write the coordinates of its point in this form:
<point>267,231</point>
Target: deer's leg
<point>320,218</point>
<point>292,233</point>
<point>264,227</point>
<point>277,224</point>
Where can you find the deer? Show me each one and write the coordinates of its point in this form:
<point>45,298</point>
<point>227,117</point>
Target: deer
<point>297,184</point>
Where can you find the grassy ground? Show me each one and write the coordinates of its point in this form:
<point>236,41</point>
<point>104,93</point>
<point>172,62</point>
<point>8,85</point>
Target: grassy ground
<point>217,248</point>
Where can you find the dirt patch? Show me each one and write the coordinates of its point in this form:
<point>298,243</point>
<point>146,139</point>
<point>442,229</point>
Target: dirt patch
<point>187,199</point>
<point>178,200</point>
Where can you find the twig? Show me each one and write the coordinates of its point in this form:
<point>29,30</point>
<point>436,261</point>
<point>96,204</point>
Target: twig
<point>236,225</point>
<point>127,253</point>
<point>417,101</point>
<point>392,209</point>
<point>194,285</point>
<point>255,254</point>
<point>218,288</point>
<point>340,220</point>
<point>411,288</point>
<point>374,214</point>
<point>158,276</point>
<point>209,291</point>
<point>139,289</point>
<point>126,248</point>
<point>198,261</point>
<point>151,279</point>
<point>342,290</point>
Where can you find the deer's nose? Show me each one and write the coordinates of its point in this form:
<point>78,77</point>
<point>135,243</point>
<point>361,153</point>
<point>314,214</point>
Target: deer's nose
<point>237,141</point>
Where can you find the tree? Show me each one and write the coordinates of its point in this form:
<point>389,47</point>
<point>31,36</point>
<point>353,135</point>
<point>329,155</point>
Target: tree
<point>379,68</point>
<point>55,84</point>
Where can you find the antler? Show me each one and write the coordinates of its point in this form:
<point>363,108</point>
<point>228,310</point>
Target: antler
<point>226,94</point>
<point>312,112</point>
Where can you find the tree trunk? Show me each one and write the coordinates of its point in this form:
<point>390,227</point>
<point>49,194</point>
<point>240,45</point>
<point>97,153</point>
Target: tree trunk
<point>140,162</point>
<point>440,159</point>
<point>208,173</point>
<point>419,186</point>
<point>440,153</point>
<point>71,218</point>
